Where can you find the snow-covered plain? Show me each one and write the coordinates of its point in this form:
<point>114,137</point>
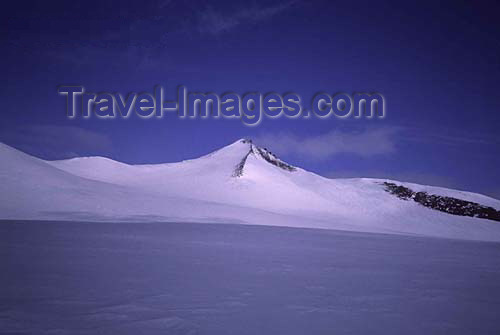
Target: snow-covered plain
<point>200,278</point>
<point>209,189</point>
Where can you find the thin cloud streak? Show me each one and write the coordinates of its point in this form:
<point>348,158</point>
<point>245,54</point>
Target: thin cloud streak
<point>368,142</point>
<point>214,22</point>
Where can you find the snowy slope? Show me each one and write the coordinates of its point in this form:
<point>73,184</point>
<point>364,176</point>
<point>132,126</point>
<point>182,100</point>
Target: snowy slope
<point>238,183</point>
<point>209,279</point>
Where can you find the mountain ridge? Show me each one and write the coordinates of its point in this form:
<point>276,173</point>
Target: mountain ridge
<point>239,183</point>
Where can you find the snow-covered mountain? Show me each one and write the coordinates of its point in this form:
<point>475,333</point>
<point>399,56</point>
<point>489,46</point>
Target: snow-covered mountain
<point>240,183</point>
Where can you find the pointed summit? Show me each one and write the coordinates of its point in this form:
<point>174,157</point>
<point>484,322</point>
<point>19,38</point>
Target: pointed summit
<point>259,153</point>
<point>238,183</point>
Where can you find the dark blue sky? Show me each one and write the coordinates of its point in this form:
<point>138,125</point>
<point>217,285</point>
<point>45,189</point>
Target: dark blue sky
<point>437,64</point>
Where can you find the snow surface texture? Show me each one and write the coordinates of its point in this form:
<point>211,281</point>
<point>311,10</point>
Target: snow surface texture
<point>239,183</point>
<point>211,279</point>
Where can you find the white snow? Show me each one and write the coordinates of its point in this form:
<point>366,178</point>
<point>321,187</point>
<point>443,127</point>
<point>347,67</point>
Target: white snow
<point>206,190</point>
<point>210,279</point>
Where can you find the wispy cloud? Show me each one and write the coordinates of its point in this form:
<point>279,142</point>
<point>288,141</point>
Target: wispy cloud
<point>57,142</point>
<point>143,42</point>
<point>367,142</point>
<point>214,21</point>
<point>449,136</point>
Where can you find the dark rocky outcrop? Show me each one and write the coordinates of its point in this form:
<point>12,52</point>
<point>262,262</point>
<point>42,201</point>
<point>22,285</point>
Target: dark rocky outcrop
<point>444,204</point>
<point>271,158</point>
<point>238,169</point>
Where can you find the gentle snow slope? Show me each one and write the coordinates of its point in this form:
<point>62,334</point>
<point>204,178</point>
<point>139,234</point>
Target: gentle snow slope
<point>209,279</point>
<point>208,189</point>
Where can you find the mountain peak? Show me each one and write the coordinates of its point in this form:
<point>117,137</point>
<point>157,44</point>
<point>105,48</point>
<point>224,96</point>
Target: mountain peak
<point>245,140</point>
<point>238,183</point>
<point>259,153</point>
<point>238,142</point>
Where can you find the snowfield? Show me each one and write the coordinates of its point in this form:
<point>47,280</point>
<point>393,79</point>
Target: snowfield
<point>95,246</point>
<point>212,279</point>
<point>239,183</point>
